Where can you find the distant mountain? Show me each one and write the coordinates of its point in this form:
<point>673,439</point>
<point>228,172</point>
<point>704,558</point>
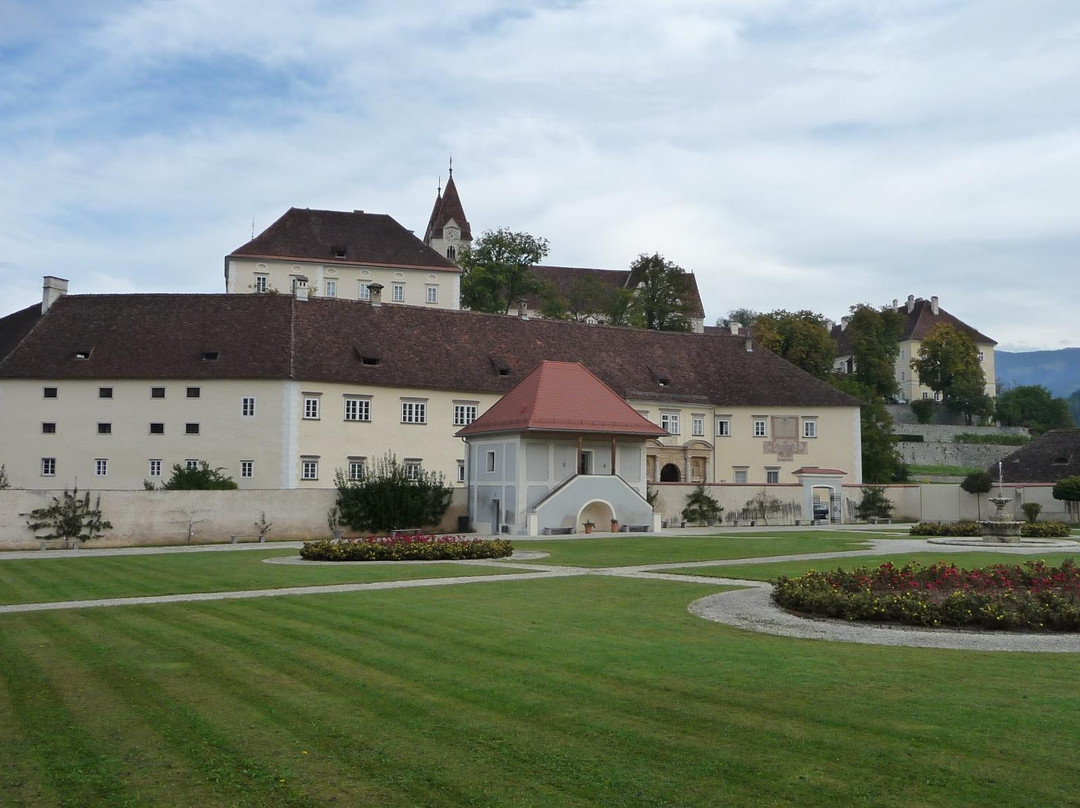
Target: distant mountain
<point>1058,371</point>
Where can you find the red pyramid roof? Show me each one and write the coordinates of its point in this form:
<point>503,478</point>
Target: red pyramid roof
<point>447,206</point>
<point>562,397</point>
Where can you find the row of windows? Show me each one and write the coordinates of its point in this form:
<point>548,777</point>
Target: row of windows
<point>741,474</point>
<point>101,467</point>
<point>356,468</point>
<point>358,408</point>
<point>106,428</point>
<point>670,422</point>
<point>107,392</point>
<point>330,289</point>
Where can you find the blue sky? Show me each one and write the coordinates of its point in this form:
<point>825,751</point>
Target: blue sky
<point>793,154</point>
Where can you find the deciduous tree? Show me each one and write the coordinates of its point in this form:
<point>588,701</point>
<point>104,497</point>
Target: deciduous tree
<point>1032,406</point>
<point>874,336</point>
<point>881,462</point>
<point>948,363</point>
<point>659,294</point>
<point>801,337</point>
<point>495,271</point>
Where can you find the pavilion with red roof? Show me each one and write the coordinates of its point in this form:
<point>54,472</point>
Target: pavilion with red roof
<point>559,450</point>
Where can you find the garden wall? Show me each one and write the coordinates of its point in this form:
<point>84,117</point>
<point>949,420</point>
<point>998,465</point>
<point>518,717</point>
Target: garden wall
<point>164,517</point>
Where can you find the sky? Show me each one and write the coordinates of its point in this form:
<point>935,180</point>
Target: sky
<point>793,154</point>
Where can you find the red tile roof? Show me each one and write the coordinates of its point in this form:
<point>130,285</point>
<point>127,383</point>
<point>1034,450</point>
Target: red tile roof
<point>331,236</point>
<point>917,325</point>
<point>562,397</point>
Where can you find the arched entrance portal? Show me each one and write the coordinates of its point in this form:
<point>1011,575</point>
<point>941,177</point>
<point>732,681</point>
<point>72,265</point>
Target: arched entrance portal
<point>670,473</point>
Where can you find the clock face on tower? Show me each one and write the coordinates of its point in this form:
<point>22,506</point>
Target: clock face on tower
<point>451,233</point>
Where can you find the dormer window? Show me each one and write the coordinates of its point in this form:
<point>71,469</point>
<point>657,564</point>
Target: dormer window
<point>210,356</point>
<point>1060,461</point>
<point>369,360</point>
<point>339,252</point>
<point>366,356</point>
<point>502,367</point>
<point>84,354</point>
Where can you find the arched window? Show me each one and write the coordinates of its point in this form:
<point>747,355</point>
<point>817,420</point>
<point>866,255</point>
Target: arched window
<point>670,473</point>
<point>451,253</point>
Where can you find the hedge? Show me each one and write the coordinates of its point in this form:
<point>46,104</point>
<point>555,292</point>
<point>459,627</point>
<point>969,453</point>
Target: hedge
<point>1041,530</point>
<point>405,548</point>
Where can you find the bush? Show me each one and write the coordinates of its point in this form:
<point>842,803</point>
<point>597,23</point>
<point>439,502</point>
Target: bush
<point>874,504</point>
<point>964,528</point>
<point>924,410</point>
<point>388,497</point>
<point>1045,530</point>
<point>992,440</point>
<point>201,478</point>
<point>1032,596</point>
<point>405,548</point>
<point>1031,511</point>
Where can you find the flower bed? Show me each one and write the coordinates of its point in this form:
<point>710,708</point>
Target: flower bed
<point>1042,530</point>
<point>405,548</point>
<point>1033,596</point>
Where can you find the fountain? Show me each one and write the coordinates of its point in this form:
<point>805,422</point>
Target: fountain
<point>1001,528</point>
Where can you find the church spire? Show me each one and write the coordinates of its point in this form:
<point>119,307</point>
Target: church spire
<point>448,230</point>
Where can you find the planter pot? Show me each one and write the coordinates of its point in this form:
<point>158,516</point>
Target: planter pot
<point>588,528</point>
<point>614,525</point>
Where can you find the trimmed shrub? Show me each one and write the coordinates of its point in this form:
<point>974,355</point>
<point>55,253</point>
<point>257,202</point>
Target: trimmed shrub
<point>391,496</point>
<point>1000,597</point>
<point>405,548</point>
<point>1044,530</point>
<point>924,409</point>
<point>964,528</point>
<point>1031,511</point>
<point>701,507</point>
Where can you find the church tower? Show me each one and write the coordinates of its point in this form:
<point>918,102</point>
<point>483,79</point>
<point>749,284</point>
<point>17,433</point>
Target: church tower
<point>448,231</point>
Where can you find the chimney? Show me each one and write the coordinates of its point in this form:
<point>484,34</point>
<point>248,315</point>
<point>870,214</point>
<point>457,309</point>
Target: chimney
<point>749,345</point>
<point>52,289</point>
<point>844,322</point>
<point>934,309</point>
<point>910,303</point>
<point>300,287</point>
<point>376,293</point>
<point>734,326</point>
<point>523,309</point>
<point>895,304</point>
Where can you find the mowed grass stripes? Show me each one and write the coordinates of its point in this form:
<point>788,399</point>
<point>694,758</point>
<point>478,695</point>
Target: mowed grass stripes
<point>578,691</point>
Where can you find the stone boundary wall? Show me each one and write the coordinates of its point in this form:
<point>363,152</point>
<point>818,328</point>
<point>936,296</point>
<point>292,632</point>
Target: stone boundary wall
<point>146,518</point>
<point>934,433</point>
<point>975,455</point>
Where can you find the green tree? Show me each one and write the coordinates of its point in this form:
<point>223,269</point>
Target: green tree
<point>1034,407</point>
<point>1074,406</point>
<point>200,478</point>
<point>874,336</point>
<point>496,270</point>
<point>881,461</point>
<point>70,517</point>
<point>391,496</point>
<point>875,504</point>
<point>659,288</point>
<point>701,508</point>
<point>948,363</point>
<point>800,337</point>
<point>1067,490</point>
<point>743,316</point>
<point>978,482</point>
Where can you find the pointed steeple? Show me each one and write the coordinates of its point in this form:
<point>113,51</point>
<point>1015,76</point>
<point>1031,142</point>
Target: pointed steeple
<point>448,230</point>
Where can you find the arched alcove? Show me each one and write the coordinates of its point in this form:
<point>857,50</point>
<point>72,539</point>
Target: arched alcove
<point>670,474</point>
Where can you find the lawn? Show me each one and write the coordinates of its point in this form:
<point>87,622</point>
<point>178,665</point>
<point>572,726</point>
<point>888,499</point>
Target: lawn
<point>635,550</point>
<point>556,692</point>
<point>89,578</point>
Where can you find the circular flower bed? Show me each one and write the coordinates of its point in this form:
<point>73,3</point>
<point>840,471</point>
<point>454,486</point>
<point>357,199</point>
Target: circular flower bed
<point>1000,597</point>
<point>400,547</point>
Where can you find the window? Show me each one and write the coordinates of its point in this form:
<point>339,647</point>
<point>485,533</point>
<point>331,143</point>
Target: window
<point>982,356</point>
<point>461,471</point>
<point>309,469</point>
<point>191,429</point>
<point>260,283</point>
<point>772,475</point>
<point>191,464</point>
<point>697,426</point>
<point>49,392</point>
<point>432,294</point>
<point>357,409</point>
<point>157,429</point>
<point>413,468</point>
<point>155,468</point>
<point>311,407</point>
<point>211,356</point>
<point>48,467</point>
<point>937,395</point>
<point>357,468</point>
<point>740,475</point>
<point>903,375</point>
<point>759,428</point>
<point>397,292</point>
<point>925,395</point>
<point>414,412</point>
<point>809,428</point>
<point>247,468</point>
<point>490,461</point>
<point>464,414</point>
<point>157,392</point>
<point>104,429</point>
<point>104,392</point>
<point>903,353</point>
<point>723,428</point>
<point>365,291</point>
<point>670,422</point>
<point>194,392</point>
<point>331,289</point>
<point>451,253</point>
<point>101,467</point>
<point>48,428</point>
<point>585,462</point>
<point>247,406</point>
